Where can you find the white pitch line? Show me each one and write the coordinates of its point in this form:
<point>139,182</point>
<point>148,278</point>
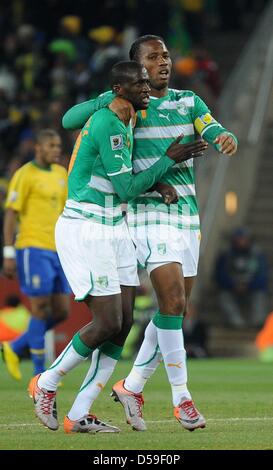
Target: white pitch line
<point>163,421</point>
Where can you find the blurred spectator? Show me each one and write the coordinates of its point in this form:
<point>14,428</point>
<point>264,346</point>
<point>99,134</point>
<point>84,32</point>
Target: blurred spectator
<point>107,51</point>
<point>194,19</point>
<point>241,275</point>
<point>14,319</point>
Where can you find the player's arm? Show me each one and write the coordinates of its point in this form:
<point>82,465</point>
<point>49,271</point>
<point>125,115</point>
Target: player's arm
<point>76,117</point>
<point>9,254</point>
<point>167,191</point>
<point>211,130</point>
<point>17,192</point>
<point>116,157</point>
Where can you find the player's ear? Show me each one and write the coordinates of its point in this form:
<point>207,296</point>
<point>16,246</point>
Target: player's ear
<point>117,89</point>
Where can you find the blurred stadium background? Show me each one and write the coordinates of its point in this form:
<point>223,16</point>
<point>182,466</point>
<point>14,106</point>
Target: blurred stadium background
<point>55,53</point>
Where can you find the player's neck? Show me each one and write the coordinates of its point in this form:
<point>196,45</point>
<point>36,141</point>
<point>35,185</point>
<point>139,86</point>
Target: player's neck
<point>159,93</point>
<point>41,164</point>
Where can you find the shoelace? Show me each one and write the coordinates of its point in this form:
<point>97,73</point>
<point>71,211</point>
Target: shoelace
<point>139,403</point>
<point>47,402</point>
<point>189,408</point>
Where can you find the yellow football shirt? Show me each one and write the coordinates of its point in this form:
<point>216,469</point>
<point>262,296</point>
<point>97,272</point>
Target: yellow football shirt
<point>38,195</point>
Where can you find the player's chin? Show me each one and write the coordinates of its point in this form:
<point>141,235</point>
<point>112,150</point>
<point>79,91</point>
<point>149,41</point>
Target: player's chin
<point>144,103</point>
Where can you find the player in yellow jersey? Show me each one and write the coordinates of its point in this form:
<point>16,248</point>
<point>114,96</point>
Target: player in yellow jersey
<point>36,197</point>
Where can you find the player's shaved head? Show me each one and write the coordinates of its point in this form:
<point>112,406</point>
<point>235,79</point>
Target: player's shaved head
<point>45,134</point>
<point>136,46</point>
<point>123,72</point>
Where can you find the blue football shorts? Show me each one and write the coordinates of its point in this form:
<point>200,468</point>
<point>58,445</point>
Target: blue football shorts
<point>40,272</point>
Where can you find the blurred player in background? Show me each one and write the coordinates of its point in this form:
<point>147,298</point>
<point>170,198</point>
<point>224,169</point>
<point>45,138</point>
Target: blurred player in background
<point>36,197</point>
<point>96,250</point>
<point>171,260</point>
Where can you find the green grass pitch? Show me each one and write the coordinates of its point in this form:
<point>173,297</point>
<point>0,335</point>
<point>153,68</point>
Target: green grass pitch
<point>235,396</point>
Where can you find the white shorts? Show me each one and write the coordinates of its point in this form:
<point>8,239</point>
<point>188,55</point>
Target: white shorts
<point>157,245</point>
<point>97,259</point>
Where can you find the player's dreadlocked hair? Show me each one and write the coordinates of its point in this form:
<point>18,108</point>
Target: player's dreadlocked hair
<point>135,47</point>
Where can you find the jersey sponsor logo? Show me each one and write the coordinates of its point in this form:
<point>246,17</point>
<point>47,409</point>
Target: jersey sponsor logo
<point>161,248</point>
<point>13,196</point>
<point>102,281</point>
<point>181,108</point>
<point>166,116</point>
<point>116,142</point>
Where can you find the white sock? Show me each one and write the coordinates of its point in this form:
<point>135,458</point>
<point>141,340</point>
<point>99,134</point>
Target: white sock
<point>147,361</point>
<point>171,345</point>
<point>100,371</point>
<point>66,361</point>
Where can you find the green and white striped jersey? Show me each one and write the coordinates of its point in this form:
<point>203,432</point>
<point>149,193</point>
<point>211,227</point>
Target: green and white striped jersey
<point>156,128</point>
<point>179,112</point>
<point>100,173</point>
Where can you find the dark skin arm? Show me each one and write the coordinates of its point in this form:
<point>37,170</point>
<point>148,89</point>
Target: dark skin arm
<point>125,112</point>
<point>10,221</point>
<point>168,192</point>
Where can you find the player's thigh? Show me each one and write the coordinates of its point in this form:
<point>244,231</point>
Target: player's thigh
<point>168,282</point>
<point>106,312</point>
<point>88,257</point>
<point>35,271</point>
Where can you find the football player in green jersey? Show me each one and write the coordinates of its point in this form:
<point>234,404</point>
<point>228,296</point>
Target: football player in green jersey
<point>96,250</point>
<point>167,237</point>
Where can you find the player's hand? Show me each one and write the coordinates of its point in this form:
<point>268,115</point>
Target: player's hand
<point>9,268</point>
<point>123,109</point>
<point>227,144</point>
<point>182,152</point>
<point>167,192</point>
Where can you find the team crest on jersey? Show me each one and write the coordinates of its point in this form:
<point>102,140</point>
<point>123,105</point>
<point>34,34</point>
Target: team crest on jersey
<point>182,108</point>
<point>102,281</point>
<point>161,248</point>
<point>36,281</point>
<point>116,142</point>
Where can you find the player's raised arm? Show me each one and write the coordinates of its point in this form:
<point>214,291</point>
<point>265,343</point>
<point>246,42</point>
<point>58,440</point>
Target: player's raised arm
<point>76,117</point>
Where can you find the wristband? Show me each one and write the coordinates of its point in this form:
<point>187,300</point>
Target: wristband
<point>9,252</point>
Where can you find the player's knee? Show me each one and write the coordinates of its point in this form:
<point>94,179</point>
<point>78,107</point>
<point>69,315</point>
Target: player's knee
<point>112,325</point>
<point>176,303</point>
<point>41,311</point>
<point>127,324</point>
